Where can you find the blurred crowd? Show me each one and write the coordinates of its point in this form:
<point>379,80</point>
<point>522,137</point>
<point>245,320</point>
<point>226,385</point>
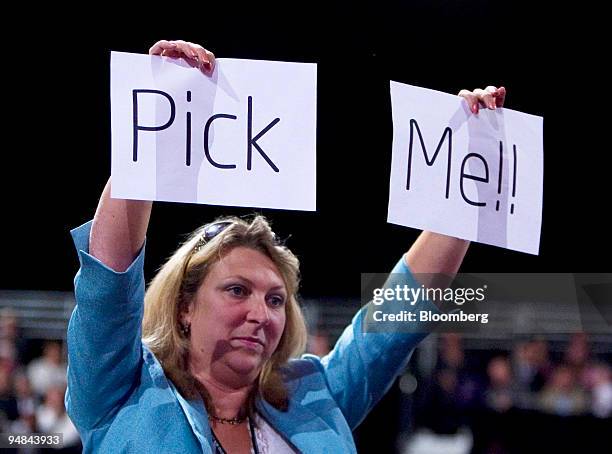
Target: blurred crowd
<point>527,378</point>
<point>497,395</point>
<point>32,389</point>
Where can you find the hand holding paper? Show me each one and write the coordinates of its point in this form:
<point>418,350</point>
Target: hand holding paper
<point>192,53</point>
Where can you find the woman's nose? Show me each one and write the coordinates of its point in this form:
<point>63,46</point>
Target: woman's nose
<point>258,311</point>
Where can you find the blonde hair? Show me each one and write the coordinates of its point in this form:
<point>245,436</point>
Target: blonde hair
<point>178,280</point>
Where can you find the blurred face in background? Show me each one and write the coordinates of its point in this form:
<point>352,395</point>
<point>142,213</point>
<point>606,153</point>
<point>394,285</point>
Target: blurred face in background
<point>54,398</point>
<point>22,385</point>
<point>577,352</point>
<point>500,372</point>
<point>562,379</point>
<point>8,327</point>
<point>53,353</point>
<point>5,381</point>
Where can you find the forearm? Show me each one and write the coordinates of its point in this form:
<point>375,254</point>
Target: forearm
<point>434,253</point>
<point>119,230</point>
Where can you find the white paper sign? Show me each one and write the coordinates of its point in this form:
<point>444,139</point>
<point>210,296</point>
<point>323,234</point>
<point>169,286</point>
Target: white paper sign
<point>245,136</point>
<point>472,176</point>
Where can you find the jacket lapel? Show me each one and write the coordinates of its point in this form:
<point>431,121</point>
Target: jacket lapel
<point>196,415</point>
<point>302,428</point>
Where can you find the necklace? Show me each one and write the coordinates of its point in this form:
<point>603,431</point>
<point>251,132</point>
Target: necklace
<point>218,449</point>
<point>233,421</point>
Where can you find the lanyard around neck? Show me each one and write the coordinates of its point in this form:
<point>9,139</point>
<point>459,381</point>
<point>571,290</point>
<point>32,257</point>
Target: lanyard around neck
<point>218,448</point>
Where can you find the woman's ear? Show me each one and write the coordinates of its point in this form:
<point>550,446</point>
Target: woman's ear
<point>185,321</point>
<point>185,313</point>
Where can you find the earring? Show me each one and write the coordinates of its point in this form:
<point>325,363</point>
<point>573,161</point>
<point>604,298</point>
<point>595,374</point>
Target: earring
<point>185,329</point>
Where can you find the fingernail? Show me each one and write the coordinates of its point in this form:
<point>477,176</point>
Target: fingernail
<point>474,108</point>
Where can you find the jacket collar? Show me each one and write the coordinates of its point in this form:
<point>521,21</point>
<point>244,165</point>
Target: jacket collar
<point>303,428</point>
<point>198,419</point>
<point>300,426</point>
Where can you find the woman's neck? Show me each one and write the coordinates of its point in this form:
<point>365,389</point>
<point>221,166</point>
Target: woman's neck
<point>227,402</point>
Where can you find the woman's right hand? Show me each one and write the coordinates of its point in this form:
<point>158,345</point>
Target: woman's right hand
<point>194,54</point>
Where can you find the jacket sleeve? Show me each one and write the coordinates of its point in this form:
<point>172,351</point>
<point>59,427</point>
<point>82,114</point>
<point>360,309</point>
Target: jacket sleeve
<point>104,336</point>
<point>364,364</point>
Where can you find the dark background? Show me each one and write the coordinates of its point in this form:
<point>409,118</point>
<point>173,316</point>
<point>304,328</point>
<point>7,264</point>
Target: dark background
<point>57,147</point>
<point>56,153</point>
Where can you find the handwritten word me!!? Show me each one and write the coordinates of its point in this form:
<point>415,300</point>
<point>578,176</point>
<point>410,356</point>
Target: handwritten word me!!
<point>463,175</point>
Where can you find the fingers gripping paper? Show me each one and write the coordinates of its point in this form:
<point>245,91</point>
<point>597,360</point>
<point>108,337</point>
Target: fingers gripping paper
<point>245,136</point>
<point>476,177</point>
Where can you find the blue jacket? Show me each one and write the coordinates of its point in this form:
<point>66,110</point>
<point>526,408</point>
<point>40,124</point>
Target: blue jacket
<point>121,402</point>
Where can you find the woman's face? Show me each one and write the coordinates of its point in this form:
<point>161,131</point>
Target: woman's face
<point>237,318</point>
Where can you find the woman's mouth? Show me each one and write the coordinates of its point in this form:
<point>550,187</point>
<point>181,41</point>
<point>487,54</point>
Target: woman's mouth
<point>253,343</point>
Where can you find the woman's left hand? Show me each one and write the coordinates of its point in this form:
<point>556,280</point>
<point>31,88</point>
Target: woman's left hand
<point>491,97</point>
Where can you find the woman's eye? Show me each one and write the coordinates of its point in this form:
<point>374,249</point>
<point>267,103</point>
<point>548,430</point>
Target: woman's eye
<point>276,301</point>
<point>237,290</point>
